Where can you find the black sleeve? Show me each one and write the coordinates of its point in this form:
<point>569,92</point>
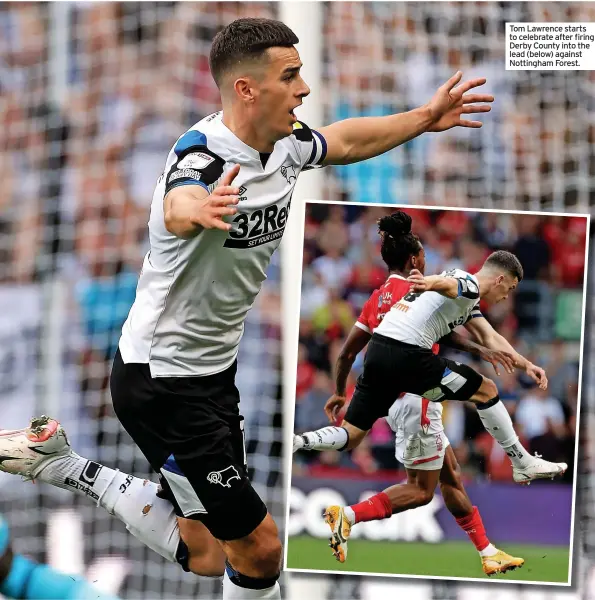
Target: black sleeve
<point>194,163</point>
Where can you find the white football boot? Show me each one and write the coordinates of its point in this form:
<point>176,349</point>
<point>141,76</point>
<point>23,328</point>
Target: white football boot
<point>538,469</point>
<point>298,443</point>
<point>28,451</point>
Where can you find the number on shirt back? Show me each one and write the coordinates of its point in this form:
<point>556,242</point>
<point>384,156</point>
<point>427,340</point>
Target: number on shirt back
<point>412,296</point>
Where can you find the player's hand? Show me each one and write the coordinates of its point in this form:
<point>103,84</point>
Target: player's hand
<point>418,283</point>
<point>220,203</point>
<point>496,357</point>
<point>449,103</point>
<point>538,375</point>
<point>333,405</point>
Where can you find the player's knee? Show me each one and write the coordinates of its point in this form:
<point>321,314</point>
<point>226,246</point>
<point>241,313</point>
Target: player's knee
<point>486,392</point>
<point>266,557</point>
<point>207,564</point>
<point>424,496</point>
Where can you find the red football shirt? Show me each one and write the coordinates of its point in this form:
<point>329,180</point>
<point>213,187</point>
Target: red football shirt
<point>381,301</point>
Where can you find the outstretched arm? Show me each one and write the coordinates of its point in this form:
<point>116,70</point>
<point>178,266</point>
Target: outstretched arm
<point>354,140</point>
<point>354,344</point>
<point>489,337</point>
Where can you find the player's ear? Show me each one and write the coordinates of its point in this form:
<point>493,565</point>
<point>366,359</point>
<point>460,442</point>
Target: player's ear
<point>244,89</point>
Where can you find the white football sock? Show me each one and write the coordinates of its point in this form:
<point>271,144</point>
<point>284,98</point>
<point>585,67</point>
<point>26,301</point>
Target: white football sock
<point>498,424</point>
<point>350,514</point>
<point>327,438</point>
<point>134,501</point>
<point>77,474</point>
<point>489,550</point>
<point>231,591</point>
<point>150,519</point>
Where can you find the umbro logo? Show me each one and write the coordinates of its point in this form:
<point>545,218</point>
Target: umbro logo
<point>243,190</point>
<point>288,171</point>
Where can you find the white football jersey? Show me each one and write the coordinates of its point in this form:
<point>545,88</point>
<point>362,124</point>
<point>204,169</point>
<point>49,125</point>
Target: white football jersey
<point>421,319</point>
<point>193,295</point>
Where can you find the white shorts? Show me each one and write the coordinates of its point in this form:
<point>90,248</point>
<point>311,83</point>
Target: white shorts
<point>420,441</point>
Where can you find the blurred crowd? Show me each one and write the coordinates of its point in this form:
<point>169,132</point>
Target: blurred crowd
<point>535,148</point>
<point>341,268</point>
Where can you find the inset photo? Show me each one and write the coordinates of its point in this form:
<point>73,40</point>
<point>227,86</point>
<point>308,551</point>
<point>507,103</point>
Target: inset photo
<point>438,393</point>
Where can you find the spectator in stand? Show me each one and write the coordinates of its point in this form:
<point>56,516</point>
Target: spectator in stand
<point>562,373</point>
<point>542,418</point>
<point>531,249</point>
<point>335,318</point>
<point>569,260</point>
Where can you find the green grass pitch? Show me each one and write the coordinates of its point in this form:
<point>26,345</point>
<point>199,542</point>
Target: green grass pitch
<point>447,559</point>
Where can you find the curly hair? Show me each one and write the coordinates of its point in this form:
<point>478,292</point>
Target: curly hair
<point>398,242</point>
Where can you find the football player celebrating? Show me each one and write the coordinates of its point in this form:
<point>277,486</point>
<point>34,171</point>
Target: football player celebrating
<point>218,213</point>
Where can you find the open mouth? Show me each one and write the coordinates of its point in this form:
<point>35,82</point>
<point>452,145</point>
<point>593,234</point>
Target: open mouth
<point>292,113</point>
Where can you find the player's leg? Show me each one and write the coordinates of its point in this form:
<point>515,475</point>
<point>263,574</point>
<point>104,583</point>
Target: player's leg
<point>468,518</point>
<point>447,379</point>
<point>421,453</point>
<point>253,564</point>
<point>418,491</point>
<point>205,556</point>
<point>42,452</point>
<point>498,424</point>
<point>345,437</point>
<point>376,390</point>
<point>21,577</point>
<point>453,492</point>
<point>205,477</point>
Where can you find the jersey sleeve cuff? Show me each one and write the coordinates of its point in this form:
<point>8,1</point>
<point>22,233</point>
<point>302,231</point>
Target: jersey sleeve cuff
<point>319,149</point>
<point>362,326</point>
<point>189,182</point>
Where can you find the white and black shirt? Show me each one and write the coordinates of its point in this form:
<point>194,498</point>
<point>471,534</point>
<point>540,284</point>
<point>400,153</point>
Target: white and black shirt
<point>193,295</point>
<point>421,319</point>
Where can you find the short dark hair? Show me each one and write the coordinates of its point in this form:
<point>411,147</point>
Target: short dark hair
<point>398,242</point>
<point>247,39</point>
<point>505,261</point>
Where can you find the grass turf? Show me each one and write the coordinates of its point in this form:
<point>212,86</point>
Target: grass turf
<point>447,559</point>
